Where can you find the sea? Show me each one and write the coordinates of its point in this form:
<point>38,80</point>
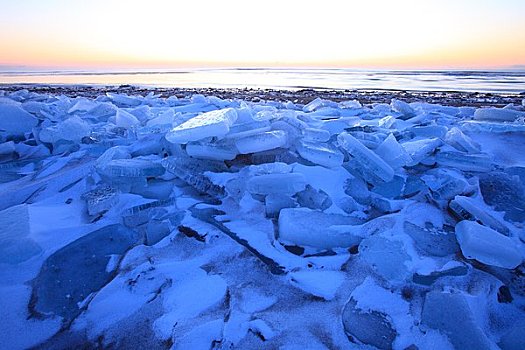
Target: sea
<point>493,81</point>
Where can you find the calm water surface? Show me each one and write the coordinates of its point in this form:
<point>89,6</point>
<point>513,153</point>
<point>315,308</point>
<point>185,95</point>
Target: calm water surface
<point>481,81</point>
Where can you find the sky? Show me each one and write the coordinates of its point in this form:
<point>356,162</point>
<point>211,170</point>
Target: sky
<point>163,34</point>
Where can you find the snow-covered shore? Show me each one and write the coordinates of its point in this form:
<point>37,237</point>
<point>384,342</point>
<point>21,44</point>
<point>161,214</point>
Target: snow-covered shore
<point>261,219</point>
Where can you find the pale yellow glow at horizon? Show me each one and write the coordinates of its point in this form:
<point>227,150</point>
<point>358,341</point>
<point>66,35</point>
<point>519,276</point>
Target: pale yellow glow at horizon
<point>171,34</point>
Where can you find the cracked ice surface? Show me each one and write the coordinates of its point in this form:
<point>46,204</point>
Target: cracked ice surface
<point>149,222</point>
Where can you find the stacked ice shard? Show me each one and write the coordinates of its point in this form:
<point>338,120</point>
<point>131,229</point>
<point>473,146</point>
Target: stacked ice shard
<point>425,200</point>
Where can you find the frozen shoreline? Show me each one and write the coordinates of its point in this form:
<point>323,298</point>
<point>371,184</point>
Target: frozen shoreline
<point>302,96</point>
<point>247,219</point>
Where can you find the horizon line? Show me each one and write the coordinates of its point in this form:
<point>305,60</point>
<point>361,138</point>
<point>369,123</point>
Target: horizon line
<point>13,69</point>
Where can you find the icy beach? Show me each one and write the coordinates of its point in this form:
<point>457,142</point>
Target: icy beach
<point>137,218</point>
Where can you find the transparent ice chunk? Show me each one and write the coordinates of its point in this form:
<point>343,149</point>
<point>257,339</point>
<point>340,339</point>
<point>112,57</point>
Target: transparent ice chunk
<point>487,246</point>
<point>210,124</point>
<point>7,151</point>
<point>413,186</point>
<point>287,183</point>
<point>431,240</point>
<point>358,190</point>
<point>144,213</point>
<point>465,162</point>
<point>445,184</point>
<point>450,314</point>
<point>156,230</point>
<point>386,122</point>
<point>492,127</point>
<point>336,126</point>
<point>313,199</point>
<point>192,172</point>
<point>467,208</point>
<point>505,193</point>
<point>497,114</point>
<point>369,327</point>
<point>429,131</point>
<point>80,268</point>
<point>82,106</point>
<point>457,139</point>
<point>403,108</point>
<point>350,104</point>
<point>151,144</point>
<point>317,104</point>
<point>421,149</point>
<point>253,127</point>
<point>388,205</point>
<point>319,153</point>
<point>15,121</point>
<point>100,199</point>
<point>124,119</point>
<point>368,139</point>
<point>117,152</point>
<point>429,279</point>
<point>261,142</point>
<point>155,189</point>
<point>291,125</point>
<point>123,100</point>
<point>15,244</point>
<point>348,204</point>
<point>275,202</point>
<point>102,111</point>
<point>393,153</point>
<point>131,168</point>
<point>72,129</point>
<point>315,135</point>
<point>387,257</point>
<point>213,150</point>
<point>364,160</point>
<point>278,155</point>
<point>306,227</point>
<point>166,117</point>
<point>392,189</point>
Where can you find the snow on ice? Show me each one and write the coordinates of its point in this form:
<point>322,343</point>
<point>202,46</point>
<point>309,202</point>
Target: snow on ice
<point>198,223</point>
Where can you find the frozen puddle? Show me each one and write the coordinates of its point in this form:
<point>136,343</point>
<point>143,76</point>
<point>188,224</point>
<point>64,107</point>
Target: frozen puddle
<point>199,223</point>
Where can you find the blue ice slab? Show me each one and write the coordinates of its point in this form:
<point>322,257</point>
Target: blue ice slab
<point>445,184</point>
<point>432,241</point>
<point>287,183</point>
<point>365,162</point>
<point>468,208</point>
<point>75,271</point>
<point>487,246</point>
<point>505,193</point>
<point>319,153</point>
<point>498,114</point>
<point>313,199</point>
<point>131,168</point>
<point>100,199</point>
<point>450,314</point>
<point>457,139</point>
<point>210,124</point>
<point>192,172</point>
<point>465,162</point>
<point>15,121</point>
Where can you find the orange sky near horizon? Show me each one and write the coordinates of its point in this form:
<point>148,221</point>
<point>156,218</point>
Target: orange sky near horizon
<point>162,34</point>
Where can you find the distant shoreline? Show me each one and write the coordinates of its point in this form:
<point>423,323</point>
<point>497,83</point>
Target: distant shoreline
<point>496,82</point>
<point>302,96</point>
